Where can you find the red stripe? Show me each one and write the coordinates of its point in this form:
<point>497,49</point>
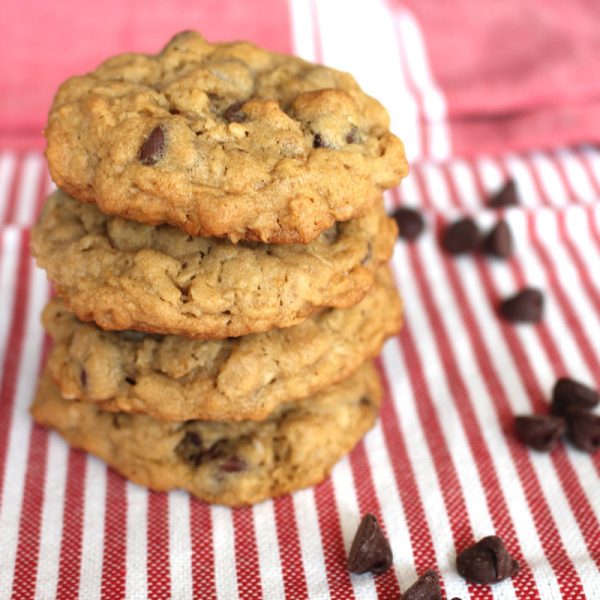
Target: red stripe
<point>203,564</point>
<point>159,570</point>
<point>26,561</point>
<point>246,554</point>
<point>14,346</point>
<point>114,568</point>
<point>418,528</point>
<point>386,584</point>
<point>70,548</point>
<point>14,189</point>
<point>338,578</point>
<point>294,578</point>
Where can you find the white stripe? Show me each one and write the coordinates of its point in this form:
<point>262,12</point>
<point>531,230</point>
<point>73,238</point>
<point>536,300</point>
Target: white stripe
<point>20,430</point>
<point>8,164</point>
<point>180,545</point>
<point>223,541</point>
<point>410,193</point>
<point>550,179</point>
<point>576,175</point>
<point>311,546</point>
<point>265,529</point>
<point>92,542</point>
<point>136,582</point>
<point>302,29</point>
<point>462,175</point>
<point>436,377</point>
<point>437,190</point>
<point>434,104</point>
<point>592,156</point>
<point>371,61</point>
<point>28,192</point>
<point>10,251</point>
<point>349,513</point>
<point>423,467</point>
<point>52,518</point>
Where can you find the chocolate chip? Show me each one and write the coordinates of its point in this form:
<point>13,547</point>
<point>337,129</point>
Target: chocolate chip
<point>83,377</point>
<point>505,196</point>
<point>153,148</point>
<point>130,380</point>
<point>584,430</point>
<point>486,562</point>
<point>174,111</point>
<point>569,395</point>
<point>461,236</point>
<point>233,464</point>
<point>410,223</point>
<point>318,141</point>
<point>427,587</point>
<point>234,114</point>
<point>132,336</point>
<point>499,241</point>
<point>541,432</point>
<point>190,448</point>
<point>351,137</point>
<point>370,549</point>
<point>526,306</point>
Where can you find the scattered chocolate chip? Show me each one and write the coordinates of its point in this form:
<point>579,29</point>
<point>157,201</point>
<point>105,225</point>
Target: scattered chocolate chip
<point>584,430</point>
<point>526,306</point>
<point>370,549</point>
<point>369,254</point>
<point>233,464</point>
<point>351,136</point>
<point>461,236</point>
<point>486,562</point>
<point>499,241</point>
<point>569,395</point>
<point>427,587</point>
<point>410,223</point>
<point>541,432</point>
<point>505,196</point>
<point>153,148</point>
<point>190,448</point>
<point>318,141</point>
<point>83,377</point>
<point>234,114</point>
<point>130,380</point>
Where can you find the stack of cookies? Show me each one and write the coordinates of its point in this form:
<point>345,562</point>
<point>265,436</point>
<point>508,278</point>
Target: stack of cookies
<point>218,246</point>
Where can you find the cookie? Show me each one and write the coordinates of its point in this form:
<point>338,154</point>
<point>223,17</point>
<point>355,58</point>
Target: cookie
<point>177,378</point>
<point>233,463</point>
<point>223,140</point>
<point>125,275</point>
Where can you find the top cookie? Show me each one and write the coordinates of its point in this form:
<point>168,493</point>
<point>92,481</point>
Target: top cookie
<point>224,140</point>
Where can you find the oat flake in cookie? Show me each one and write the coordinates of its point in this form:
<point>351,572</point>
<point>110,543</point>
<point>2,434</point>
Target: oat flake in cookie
<point>224,140</point>
<point>125,275</point>
<point>223,462</point>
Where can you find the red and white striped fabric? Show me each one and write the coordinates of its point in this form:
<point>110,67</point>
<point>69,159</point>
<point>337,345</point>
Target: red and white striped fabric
<point>440,469</point>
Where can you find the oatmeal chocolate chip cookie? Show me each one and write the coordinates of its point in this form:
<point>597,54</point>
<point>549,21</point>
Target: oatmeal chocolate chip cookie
<point>233,463</point>
<point>125,275</point>
<point>176,378</point>
<point>223,140</point>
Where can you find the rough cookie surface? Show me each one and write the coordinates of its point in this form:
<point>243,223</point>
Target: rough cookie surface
<point>223,462</point>
<point>177,378</point>
<point>125,275</point>
<point>223,140</point>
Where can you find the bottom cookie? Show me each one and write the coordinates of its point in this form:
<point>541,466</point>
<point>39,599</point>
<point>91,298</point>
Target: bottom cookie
<point>231,463</point>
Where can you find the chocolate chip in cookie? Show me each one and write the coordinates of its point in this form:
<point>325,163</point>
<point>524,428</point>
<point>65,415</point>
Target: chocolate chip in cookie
<point>234,114</point>
<point>427,587</point>
<point>319,142</point>
<point>370,549</point>
<point>540,432</point>
<point>526,306</point>
<point>486,562</point>
<point>153,148</point>
<point>190,449</point>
